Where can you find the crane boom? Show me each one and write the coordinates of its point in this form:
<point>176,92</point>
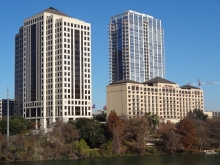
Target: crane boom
<point>200,83</point>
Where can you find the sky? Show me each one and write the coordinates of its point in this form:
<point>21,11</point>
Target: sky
<point>191,38</point>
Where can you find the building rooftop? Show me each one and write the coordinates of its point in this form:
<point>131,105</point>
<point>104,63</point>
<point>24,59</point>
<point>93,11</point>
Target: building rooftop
<point>188,87</point>
<point>124,81</point>
<point>55,11</point>
<point>158,80</point>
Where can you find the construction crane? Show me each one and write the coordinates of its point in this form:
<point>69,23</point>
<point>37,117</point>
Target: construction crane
<point>200,83</point>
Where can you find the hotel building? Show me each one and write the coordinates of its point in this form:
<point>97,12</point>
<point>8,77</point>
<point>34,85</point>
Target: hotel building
<point>53,68</point>
<point>135,47</point>
<point>159,96</point>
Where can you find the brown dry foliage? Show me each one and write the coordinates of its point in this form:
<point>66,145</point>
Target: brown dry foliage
<point>115,126</point>
<point>70,132</point>
<point>134,134</point>
<point>187,130</point>
<point>214,131</point>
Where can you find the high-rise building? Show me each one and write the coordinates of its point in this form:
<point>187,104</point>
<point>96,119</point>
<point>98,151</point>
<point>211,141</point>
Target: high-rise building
<point>159,96</point>
<point>53,68</point>
<point>136,47</point>
<point>4,107</point>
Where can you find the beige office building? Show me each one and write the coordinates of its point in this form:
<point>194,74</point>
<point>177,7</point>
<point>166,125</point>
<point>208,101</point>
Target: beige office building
<point>53,68</point>
<point>159,96</point>
<point>212,114</point>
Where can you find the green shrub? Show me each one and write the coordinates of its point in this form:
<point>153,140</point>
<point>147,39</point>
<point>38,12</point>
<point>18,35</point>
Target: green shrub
<point>152,150</point>
<point>81,148</point>
<point>106,148</point>
<point>94,153</point>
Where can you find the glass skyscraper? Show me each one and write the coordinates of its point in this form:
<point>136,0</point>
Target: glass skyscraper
<point>136,47</point>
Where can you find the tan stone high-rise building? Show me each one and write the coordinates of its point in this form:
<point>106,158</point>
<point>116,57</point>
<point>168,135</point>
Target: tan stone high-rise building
<point>53,68</point>
<point>159,96</point>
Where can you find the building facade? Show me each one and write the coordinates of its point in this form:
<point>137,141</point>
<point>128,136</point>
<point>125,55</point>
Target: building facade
<point>212,114</point>
<point>159,96</point>
<point>53,68</point>
<point>4,107</point>
<point>135,47</point>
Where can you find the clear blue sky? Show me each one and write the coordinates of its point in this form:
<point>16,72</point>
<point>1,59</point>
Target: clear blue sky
<point>192,39</point>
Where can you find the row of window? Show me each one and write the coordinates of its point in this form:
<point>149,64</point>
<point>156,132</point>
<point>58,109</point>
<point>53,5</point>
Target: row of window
<point>163,90</point>
<point>34,20</point>
<point>70,25</point>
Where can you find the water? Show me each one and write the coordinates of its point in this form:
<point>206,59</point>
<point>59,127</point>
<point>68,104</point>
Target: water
<point>134,160</point>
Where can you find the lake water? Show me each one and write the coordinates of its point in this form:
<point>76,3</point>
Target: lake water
<point>134,160</point>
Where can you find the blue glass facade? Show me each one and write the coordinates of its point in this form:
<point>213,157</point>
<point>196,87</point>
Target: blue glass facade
<point>19,72</point>
<point>5,107</point>
<point>136,47</point>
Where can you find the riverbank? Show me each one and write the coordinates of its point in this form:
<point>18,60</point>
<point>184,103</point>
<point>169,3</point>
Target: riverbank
<point>179,159</point>
<point>97,153</point>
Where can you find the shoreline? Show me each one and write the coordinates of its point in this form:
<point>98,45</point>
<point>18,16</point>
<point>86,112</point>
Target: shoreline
<point>111,156</point>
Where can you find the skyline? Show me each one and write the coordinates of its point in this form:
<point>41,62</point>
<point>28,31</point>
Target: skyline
<point>191,31</point>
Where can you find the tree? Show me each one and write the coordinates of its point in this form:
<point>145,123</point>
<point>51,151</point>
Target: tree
<point>114,124</point>
<point>70,132</point>
<point>91,131</point>
<point>81,148</point>
<point>214,131</point>
<point>153,121</point>
<point>101,117</point>
<point>197,114</point>
<point>202,134</point>
<point>187,130</point>
<point>81,122</point>
<point>17,124</point>
<point>134,133</point>
<point>172,141</point>
<point>165,128</point>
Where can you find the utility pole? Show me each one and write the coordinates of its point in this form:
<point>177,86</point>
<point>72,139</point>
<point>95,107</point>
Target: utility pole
<point>8,115</point>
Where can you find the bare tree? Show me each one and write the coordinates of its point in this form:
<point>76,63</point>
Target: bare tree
<point>214,131</point>
<point>134,134</point>
<point>172,141</point>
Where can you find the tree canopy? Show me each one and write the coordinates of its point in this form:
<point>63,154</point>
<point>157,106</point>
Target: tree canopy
<point>91,131</point>
<point>114,124</point>
<point>197,114</point>
<point>17,124</point>
<point>101,117</point>
<point>187,130</point>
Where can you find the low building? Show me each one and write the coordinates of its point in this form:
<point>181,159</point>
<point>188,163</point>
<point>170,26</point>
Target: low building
<point>99,112</point>
<point>159,96</point>
<point>4,107</point>
<point>212,114</point>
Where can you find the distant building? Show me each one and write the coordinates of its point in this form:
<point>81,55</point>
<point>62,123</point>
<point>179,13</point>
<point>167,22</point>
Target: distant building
<point>99,112</point>
<point>136,47</point>
<point>159,96</point>
<point>53,68</point>
<point>4,107</point>
<point>212,114</point>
